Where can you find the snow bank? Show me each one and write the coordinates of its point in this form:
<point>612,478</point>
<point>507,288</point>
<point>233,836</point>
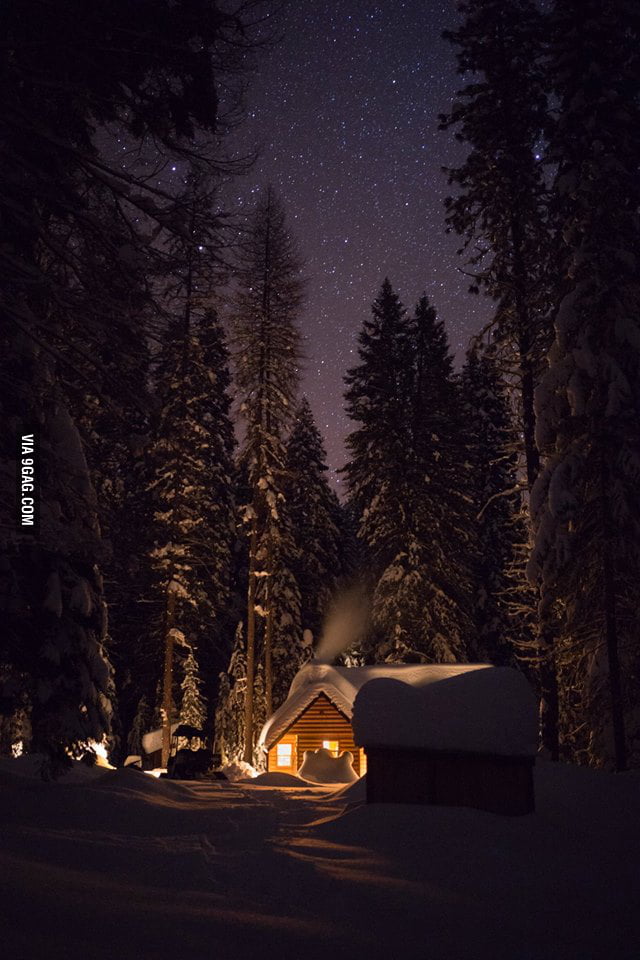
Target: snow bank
<point>88,872</point>
<point>488,710</point>
<point>320,766</point>
<point>239,770</point>
<point>276,779</point>
<point>355,792</point>
<point>29,766</point>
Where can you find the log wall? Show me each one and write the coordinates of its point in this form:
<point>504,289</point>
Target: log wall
<point>320,721</point>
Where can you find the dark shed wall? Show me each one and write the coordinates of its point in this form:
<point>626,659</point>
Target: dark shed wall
<point>484,781</point>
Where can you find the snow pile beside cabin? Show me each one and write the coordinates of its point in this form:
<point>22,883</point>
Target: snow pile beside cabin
<point>341,686</point>
<point>476,709</point>
<point>320,766</point>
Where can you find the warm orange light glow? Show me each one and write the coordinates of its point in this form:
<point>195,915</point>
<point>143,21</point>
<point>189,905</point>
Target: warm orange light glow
<point>333,746</point>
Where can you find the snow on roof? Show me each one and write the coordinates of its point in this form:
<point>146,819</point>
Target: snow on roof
<point>490,710</point>
<point>153,741</point>
<point>341,686</point>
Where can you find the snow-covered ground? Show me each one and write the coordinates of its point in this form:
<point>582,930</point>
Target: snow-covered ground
<point>120,865</point>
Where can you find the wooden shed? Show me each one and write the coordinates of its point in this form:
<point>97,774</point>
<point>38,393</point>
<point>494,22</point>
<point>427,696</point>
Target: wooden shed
<point>458,737</point>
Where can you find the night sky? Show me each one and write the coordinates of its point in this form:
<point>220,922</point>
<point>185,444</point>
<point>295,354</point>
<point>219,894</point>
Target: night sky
<point>345,110</point>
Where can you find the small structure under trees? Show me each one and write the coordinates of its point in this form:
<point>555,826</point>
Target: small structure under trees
<point>452,736</point>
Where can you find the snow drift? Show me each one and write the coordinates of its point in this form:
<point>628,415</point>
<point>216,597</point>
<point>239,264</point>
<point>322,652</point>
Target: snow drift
<point>320,766</point>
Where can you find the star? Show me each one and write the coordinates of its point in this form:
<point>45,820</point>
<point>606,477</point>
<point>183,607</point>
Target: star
<point>345,108</point>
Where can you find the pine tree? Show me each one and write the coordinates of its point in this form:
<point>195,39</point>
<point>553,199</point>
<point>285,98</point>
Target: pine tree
<point>192,483</point>
<point>142,723</point>
<point>496,500</point>
<point>501,210</point>
<point>499,207</point>
<point>158,83</point>
<point>376,399</point>
<point>586,559</point>
<point>267,357</point>
<point>406,480</point>
<point>193,709</point>
<point>230,708</point>
<point>314,512</point>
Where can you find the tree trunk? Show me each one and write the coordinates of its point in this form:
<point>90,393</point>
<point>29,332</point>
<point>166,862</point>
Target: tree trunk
<point>168,676</point>
<point>547,674</point>
<point>251,645</point>
<point>548,679</point>
<point>611,628</point>
<point>268,658</point>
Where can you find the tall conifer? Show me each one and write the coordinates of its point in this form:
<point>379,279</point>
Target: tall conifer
<point>585,505</point>
<point>266,342</point>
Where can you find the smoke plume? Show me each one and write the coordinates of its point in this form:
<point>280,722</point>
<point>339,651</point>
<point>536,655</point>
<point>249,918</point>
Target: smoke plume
<point>345,624</point>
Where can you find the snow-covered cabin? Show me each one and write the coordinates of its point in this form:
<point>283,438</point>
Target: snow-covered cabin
<point>455,736</point>
<point>319,709</point>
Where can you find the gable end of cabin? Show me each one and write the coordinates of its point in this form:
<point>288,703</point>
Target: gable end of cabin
<point>319,724</point>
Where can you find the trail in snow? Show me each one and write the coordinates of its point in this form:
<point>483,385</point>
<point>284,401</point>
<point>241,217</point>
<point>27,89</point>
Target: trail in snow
<point>124,866</point>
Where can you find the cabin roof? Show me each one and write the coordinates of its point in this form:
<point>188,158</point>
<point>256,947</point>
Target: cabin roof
<point>152,741</point>
<point>341,686</point>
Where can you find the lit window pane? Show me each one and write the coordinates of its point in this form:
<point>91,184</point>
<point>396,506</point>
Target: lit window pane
<point>284,753</point>
<point>332,746</point>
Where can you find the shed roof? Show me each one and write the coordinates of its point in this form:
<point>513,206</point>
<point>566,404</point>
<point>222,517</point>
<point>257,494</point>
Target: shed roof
<point>342,684</point>
<point>152,741</point>
<point>479,711</point>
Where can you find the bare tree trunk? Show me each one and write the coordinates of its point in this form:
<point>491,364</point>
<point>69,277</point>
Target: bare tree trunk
<point>251,645</point>
<point>611,628</point>
<point>167,683</point>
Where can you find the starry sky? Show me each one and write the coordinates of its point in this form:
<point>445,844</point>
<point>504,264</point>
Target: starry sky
<point>344,111</point>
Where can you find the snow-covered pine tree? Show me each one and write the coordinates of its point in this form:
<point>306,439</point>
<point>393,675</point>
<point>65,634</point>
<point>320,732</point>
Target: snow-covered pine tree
<point>496,501</point>
<point>314,512</point>
<point>585,504</point>
<point>406,479</point>
<point>500,209</point>
<point>376,398</point>
<point>193,447</point>
<point>438,510</point>
<point>142,723</point>
<point>55,309</point>
<point>266,342</point>
<point>193,709</point>
<point>500,203</point>
<point>192,482</point>
<point>230,707</point>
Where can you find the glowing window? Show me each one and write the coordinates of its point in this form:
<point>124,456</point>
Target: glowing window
<point>284,754</point>
<point>332,746</point>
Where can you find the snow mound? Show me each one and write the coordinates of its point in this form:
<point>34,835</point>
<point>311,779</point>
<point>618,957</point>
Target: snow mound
<point>239,770</point>
<point>320,766</point>
<point>29,766</point>
<point>276,779</point>
<point>489,710</point>
<point>355,792</point>
<point>128,780</point>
